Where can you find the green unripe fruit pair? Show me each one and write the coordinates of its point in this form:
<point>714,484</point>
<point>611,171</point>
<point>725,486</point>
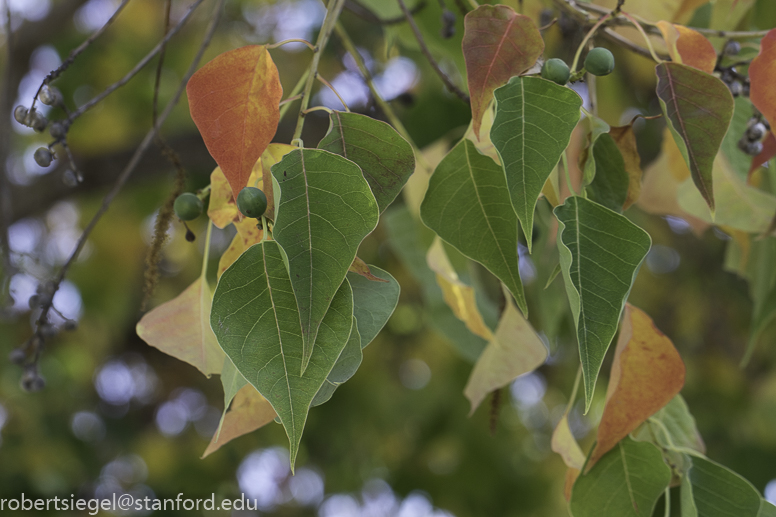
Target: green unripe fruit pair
<point>599,61</point>
<point>252,202</point>
<point>556,70</point>
<point>187,206</point>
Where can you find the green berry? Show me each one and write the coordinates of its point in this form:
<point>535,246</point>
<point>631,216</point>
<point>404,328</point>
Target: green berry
<point>188,206</point>
<point>556,70</point>
<point>252,202</point>
<point>599,61</point>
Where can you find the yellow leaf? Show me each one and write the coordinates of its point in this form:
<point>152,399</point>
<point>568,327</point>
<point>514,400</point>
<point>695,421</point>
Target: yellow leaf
<point>222,209</point>
<point>515,349</point>
<point>181,328</point>
<point>247,235</point>
<point>249,412</point>
<point>647,372</point>
<point>564,444</point>
<point>273,154</point>
<point>415,189</point>
<point>459,296</point>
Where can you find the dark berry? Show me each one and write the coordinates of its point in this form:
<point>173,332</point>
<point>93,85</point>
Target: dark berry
<point>556,70</point>
<point>252,202</point>
<point>731,48</point>
<point>70,325</point>
<point>448,24</point>
<point>31,381</point>
<point>756,132</point>
<point>57,130</point>
<point>190,236</point>
<point>599,61</point>
<point>20,114</point>
<point>49,96</point>
<point>43,156</point>
<point>188,206</point>
<point>736,88</point>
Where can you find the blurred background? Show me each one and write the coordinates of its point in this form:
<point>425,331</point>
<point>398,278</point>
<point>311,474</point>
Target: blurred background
<point>118,416</point>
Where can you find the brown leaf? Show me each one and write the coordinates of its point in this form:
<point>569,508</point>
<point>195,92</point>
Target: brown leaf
<point>181,328</point>
<point>647,373</point>
<point>234,101</point>
<point>249,412</point>
<point>497,44</point>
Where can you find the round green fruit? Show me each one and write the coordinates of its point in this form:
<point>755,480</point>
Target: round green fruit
<point>556,70</point>
<point>187,206</point>
<point>599,61</point>
<point>252,202</point>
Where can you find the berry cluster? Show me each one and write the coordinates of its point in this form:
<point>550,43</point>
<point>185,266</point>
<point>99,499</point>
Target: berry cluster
<point>756,129</point>
<point>737,83</point>
<point>599,61</point>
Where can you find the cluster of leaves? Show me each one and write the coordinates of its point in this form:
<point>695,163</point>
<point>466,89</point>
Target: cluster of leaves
<point>294,306</point>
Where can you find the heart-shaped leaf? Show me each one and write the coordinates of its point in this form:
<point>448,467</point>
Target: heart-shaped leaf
<point>325,209</point>
<point>533,125</point>
<point>600,254</point>
<point>234,101</point>
<point>467,205</point>
<point>256,321</point>
<point>497,44</point>
<point>698,108</point>
<point>385,158</point>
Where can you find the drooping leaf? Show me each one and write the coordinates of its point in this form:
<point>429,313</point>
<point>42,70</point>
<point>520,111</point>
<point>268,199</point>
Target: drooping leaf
<point>373,302</point>
<point>234,101</point>
<point>273,154</point>
<point>600,253</point>
<point>468,206</point>
<point>719,492</point>
<point>514,349</point>
<point>249,411</point>
<point>346,366</point>
<point>698,108</point>
<point>497,44</point>
<point>458,296</point>
<point>385,158</point>
<point>325,209</point>
<point>762,74</point>
<point>647,373</point>
<point>610,185</point>
<point>688,46</point>
<point>181,328</point>
<point>534,121</point>
<point>256,320</point>
<point>564,444</point>
<point>626,482</point>
<point>625,139</point>
<point>409,240</point>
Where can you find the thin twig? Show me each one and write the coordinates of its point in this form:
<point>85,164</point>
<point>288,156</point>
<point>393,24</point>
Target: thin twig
<point>130,167</point>
<point>75,52</point>
<point>294,95</point>
<point>158,78</point>
<point>426,52</point>
<point>333,11</point>
<point>6,210</point>
<point>327,83</point>
<point>292,40</point>
<point>132,73</point>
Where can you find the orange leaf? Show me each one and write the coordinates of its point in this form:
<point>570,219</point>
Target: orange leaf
<point>768,152</point>
<point>762,74</point>
<point>647,373</point>
<point>181,328</point>
<point>234,101</point>
<point>625,139</point>
<point>497,44</point>
<point>249,412</point>
<point>688,46</point>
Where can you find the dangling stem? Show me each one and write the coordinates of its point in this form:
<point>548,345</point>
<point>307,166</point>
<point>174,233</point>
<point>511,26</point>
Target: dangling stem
<point>294,94</point>
<point>206,253</point>
<point>668,502</point>
<point>585,40</point>
<point>292,40</point>
<point>574,390</point>
<point>332,13</point>
<point>644,34</point>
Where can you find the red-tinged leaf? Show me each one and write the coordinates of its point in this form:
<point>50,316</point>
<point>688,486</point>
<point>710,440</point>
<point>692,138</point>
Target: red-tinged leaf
<point>698,107</point>
<point>768,152</point>
<point>181,328</point>
<point>762,74</point>
<point>688,46</point>
<point>497,44</point>
<point>234,101</point>
<point>647,373</point>
<point>249,412</point>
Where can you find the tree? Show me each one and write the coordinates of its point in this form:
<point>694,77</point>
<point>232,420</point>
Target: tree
<point>481,221</point>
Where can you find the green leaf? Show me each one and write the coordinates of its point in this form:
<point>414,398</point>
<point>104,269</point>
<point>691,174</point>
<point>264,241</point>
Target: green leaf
<point>766,509</point>
<point>385,158</point>
<point>325,208</point>
<point>409,241</point>
<point>346,366</point>
<point>256,321</point>
<point>673,427</point>
<point>597,128</point>
<point>468,206</point>
<point>373,302</point>
<point>626,482</point>
<point>698,107</point>
<point>610,183</point>
<point>719,492</point>
<point>687,501</point>
<point>600,253</point>
<point>738,159</point>
<point>533,125</point>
